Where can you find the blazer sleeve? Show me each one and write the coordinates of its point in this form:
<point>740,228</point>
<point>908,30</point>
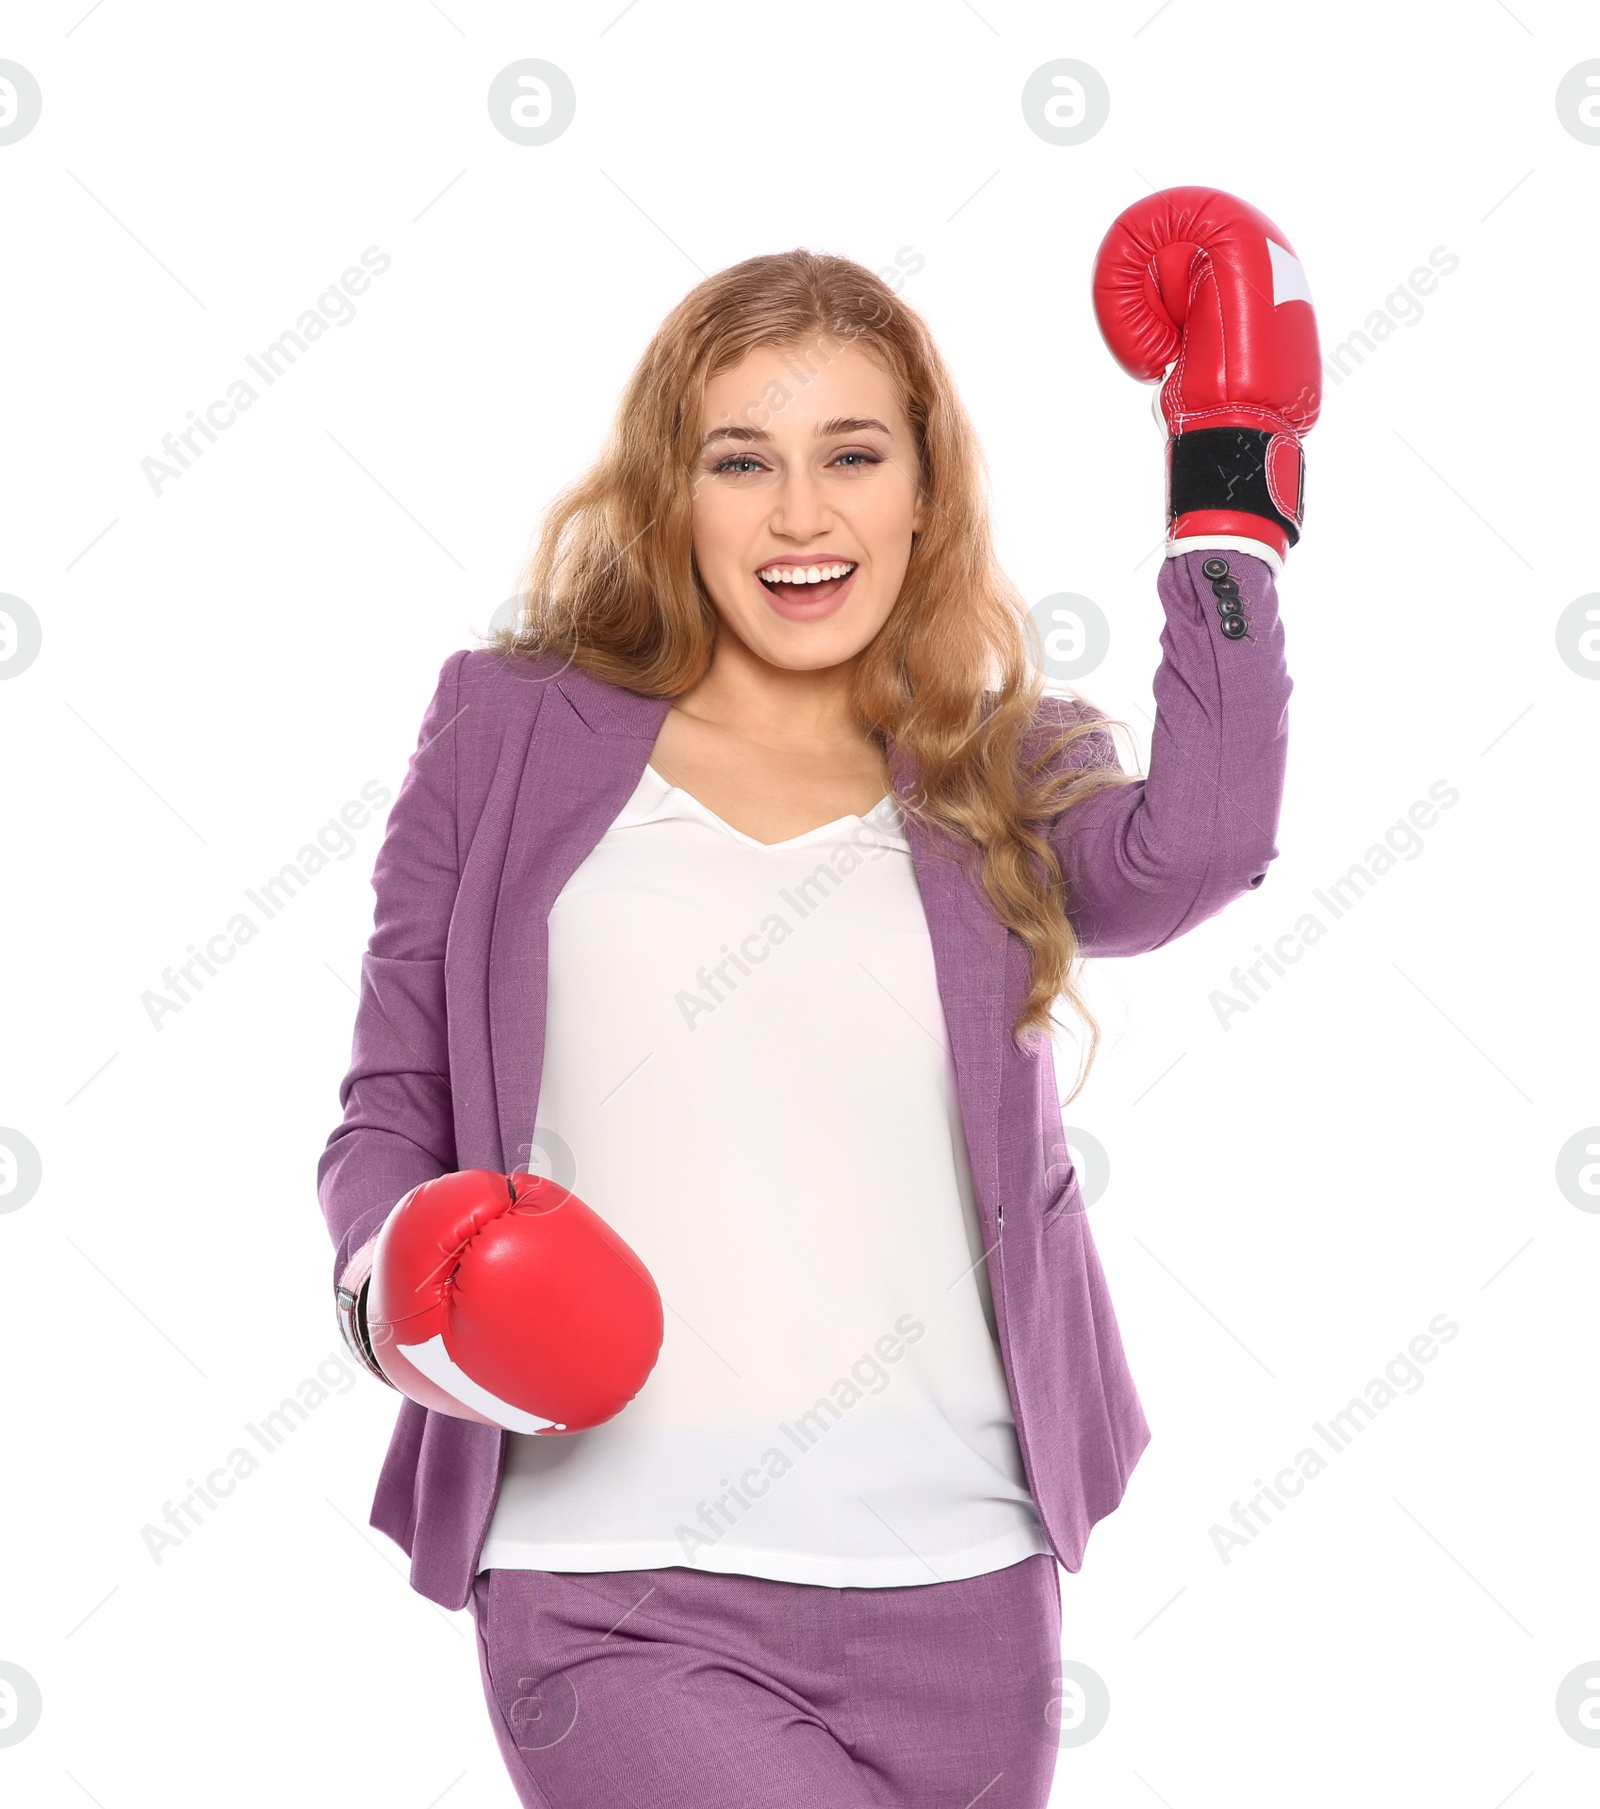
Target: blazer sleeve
<point>1147,860</point>
<point>398,1128</point>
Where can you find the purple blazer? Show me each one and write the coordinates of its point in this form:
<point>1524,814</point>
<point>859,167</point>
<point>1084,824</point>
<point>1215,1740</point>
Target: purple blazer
<point>520,768</point>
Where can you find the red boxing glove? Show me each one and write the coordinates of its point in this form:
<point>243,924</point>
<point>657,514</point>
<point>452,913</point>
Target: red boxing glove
<point>1199,284</point>
<point>505,1300</point>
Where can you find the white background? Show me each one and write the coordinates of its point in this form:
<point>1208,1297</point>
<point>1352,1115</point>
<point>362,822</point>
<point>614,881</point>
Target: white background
<point>224,665</point>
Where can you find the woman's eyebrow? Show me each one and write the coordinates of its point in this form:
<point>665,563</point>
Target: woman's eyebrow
<point>825,429</point>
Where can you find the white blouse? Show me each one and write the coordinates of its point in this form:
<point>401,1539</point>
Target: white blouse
<point>746,1057</point>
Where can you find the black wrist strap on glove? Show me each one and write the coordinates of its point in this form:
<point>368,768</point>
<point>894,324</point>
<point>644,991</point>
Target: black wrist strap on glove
<point>1225,468</point>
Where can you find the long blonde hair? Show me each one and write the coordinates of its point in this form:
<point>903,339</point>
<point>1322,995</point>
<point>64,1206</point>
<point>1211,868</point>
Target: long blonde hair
<point>611,585</point>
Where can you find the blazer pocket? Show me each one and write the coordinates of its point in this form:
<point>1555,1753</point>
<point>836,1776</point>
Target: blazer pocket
<point>1066,1196</point>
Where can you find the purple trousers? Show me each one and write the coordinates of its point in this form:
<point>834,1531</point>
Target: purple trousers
<point>686,1689</point>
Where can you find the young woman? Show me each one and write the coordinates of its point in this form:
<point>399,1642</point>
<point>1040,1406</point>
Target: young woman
<point>733,889</point>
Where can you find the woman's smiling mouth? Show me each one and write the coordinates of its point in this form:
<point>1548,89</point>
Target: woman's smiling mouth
<point>806,590</point>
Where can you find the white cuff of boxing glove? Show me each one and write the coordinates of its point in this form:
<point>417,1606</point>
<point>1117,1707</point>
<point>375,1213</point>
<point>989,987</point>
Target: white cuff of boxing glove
<point>348,1300</point>
<point>1229,543</point>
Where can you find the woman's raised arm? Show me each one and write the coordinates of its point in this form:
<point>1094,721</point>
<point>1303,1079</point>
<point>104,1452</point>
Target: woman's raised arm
<point>1148,860</point>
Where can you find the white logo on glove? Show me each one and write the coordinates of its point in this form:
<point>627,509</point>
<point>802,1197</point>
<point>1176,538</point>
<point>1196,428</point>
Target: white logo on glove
<point>435,1362</point>
<point>1288,276</point>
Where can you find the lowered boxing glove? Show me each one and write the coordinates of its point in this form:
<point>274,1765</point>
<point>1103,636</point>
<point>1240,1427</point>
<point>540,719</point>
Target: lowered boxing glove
<point>505,1300</point>
<point>1197,286</point>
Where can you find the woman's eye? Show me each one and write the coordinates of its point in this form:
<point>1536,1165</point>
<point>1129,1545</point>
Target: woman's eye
<point>737,463</point>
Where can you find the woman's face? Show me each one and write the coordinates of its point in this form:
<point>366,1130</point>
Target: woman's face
<point>804,466</point>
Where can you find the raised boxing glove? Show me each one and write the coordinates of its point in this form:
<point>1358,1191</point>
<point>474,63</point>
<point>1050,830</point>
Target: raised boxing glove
<point>1197,286</point>
<point>505,1300</point>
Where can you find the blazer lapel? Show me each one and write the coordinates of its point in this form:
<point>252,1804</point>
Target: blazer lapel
<point>586,754</point>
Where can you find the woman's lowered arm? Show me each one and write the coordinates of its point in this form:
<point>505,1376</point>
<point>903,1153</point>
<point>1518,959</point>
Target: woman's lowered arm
<point>398,1127</point>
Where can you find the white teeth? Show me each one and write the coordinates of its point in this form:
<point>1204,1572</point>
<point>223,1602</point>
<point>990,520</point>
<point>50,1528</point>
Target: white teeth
<point>807,574</point>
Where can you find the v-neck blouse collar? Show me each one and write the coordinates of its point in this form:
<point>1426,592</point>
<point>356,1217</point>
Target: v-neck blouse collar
<point>656,800</point>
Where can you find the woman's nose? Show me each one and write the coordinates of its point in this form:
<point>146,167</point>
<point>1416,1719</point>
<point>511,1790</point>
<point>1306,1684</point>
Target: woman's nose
<point>799,511</point>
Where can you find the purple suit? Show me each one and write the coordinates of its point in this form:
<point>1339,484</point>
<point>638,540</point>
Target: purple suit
<point>519,770</point>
